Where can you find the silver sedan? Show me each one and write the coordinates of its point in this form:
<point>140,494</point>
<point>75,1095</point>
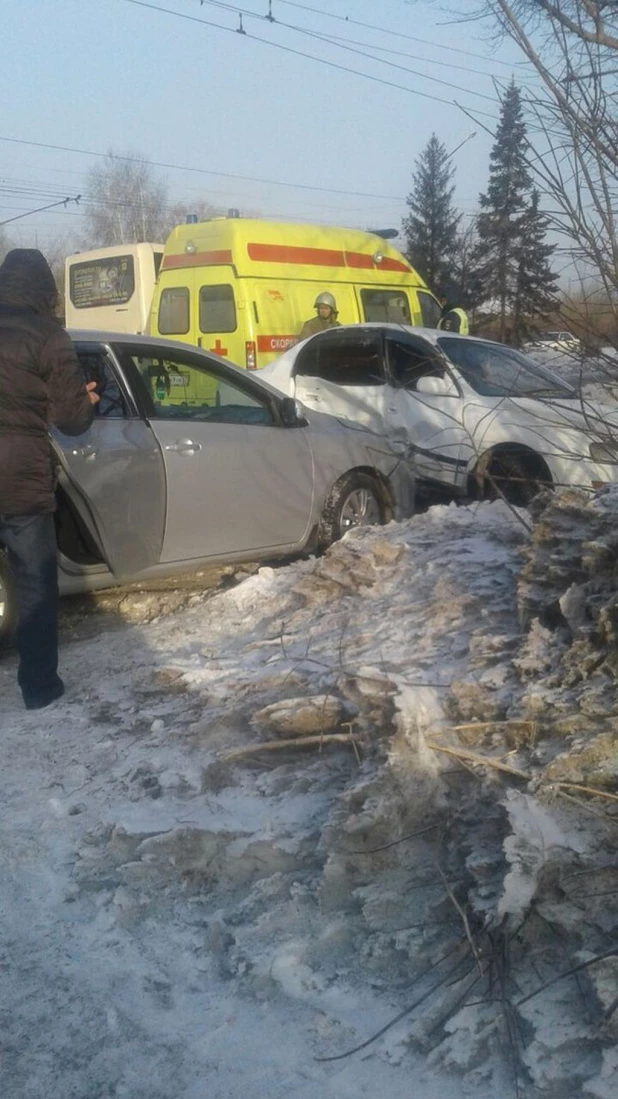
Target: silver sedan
<point>192,461</point>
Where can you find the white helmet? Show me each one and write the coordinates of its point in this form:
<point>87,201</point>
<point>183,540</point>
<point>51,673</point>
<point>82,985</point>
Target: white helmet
<point>325,298</point>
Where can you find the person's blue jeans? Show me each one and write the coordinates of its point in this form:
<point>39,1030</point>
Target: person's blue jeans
<point>30,541</point>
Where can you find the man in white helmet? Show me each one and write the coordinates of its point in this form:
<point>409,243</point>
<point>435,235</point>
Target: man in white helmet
<point>326,316</point>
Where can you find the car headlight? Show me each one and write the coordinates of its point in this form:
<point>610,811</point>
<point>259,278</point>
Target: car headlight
<point>605,453</point>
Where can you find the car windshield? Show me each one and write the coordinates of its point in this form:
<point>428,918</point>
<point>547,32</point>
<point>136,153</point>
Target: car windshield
<point>493,370</point>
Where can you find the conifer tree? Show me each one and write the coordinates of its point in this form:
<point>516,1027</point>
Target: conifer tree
<point>537,288</point>
<point>512,257</point>
<point>499,224</point>
<point>431,227</point>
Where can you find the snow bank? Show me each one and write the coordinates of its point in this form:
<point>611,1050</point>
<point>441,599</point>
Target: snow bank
<point>179,919</point>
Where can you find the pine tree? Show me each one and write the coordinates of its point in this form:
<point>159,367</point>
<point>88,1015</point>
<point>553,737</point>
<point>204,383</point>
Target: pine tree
<point>536,283</point>
<point>431,227</point>
<point>500,224</point>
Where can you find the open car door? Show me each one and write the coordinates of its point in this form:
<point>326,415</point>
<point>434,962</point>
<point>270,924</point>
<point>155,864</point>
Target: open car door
<point>114,473</point>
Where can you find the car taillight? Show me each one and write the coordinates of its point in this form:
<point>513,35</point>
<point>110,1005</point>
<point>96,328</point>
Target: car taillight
<point>250,360</point>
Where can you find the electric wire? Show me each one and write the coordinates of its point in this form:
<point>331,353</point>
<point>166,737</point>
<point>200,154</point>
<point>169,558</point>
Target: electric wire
<point>307,56</point>
<point>198,171</point>
<point>349,47</point>
<point>399,34</point>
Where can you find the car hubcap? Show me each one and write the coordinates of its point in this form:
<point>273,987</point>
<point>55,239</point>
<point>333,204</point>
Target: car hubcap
<point>360,509</point>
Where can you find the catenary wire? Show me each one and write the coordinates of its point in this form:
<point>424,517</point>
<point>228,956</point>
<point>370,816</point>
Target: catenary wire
<point>350,48</point>
<point>198,171</point>
<point>398,34</point>
<point>308,56</point>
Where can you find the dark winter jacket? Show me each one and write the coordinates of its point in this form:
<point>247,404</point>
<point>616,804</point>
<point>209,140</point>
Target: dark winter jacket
<point>40,384</point>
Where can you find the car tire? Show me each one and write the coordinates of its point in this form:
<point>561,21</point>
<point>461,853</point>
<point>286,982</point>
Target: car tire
<point>509,476</point>
<point>8,609</point>
<point>356,500</point>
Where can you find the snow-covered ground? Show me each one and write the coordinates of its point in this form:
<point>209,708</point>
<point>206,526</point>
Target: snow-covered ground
<point>176,923</point>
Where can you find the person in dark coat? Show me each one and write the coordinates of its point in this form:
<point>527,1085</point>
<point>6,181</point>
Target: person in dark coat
<point>40,385</point>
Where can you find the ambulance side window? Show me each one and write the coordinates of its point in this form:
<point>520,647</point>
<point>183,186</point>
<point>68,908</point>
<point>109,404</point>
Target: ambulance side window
<point>217,309</point>
<point>430,309</point>
<point>174,311</point>
<point>391,306</point>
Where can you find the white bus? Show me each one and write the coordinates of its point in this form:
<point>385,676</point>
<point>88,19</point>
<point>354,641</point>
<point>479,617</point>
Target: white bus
<point>111,288</point>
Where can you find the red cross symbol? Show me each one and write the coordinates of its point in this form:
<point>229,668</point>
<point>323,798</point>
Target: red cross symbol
<point>218,350</point>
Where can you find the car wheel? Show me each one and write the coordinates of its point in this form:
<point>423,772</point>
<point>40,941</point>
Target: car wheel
<point>354,501</point>
<point>517,479</point>
<point>7,602</point>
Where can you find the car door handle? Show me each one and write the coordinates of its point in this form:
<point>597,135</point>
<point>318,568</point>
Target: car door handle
<point>312,396</point>
<point>183,446</point>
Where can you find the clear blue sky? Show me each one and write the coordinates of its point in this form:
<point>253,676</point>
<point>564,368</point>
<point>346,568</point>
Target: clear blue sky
<point>104,75</point>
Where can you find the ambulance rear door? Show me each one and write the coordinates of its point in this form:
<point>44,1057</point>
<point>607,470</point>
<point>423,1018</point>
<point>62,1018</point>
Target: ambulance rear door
<point>174,306</point>
<point>223,322</point>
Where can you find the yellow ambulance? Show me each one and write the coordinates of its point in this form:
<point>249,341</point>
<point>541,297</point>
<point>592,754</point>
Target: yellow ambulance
<point>243,287</point>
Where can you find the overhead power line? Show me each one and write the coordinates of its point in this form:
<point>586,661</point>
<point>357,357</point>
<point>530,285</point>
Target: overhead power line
<point>37,189</point>
<point>349,47</point>
<point>397,34</point>
<point>197,171</point>
<point>306,56</point>
<point>336,38</point>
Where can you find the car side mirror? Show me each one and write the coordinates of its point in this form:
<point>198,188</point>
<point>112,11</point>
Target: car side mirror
<point>436,387</point>
<point>291,411</point>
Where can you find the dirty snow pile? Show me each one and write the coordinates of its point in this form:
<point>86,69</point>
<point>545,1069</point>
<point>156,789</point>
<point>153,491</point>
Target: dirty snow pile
<point>359,801</point>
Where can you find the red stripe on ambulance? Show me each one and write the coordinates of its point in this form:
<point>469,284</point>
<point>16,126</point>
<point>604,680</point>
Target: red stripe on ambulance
<point>360,260</point>
<point>289,253</point>
<point>197,259</point>
<point>321,257</point>
<point>275,343</point>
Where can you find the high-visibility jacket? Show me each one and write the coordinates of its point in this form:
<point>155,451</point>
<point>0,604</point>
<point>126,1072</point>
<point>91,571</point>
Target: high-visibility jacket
<point>456,320</point>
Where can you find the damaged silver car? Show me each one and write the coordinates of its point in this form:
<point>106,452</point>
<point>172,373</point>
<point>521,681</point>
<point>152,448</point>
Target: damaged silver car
<point>192,461</point>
